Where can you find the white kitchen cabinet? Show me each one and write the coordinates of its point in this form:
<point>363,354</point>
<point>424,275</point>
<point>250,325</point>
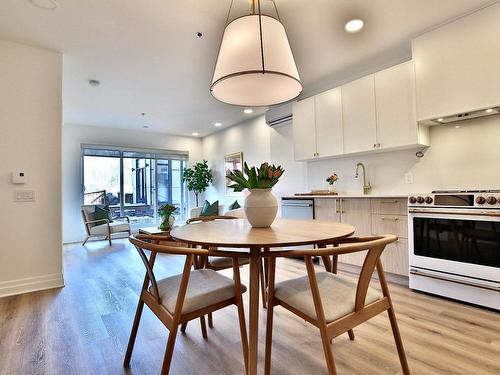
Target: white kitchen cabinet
<point>395,107</point>
<point>304,129</point>
<point>358,114</point>
<point>456,65</point>
<point>329,134</point>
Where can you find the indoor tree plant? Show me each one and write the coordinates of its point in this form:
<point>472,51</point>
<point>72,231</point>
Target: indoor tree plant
<point>261,205</point>
<point>198,178</point>
<point>165,213</point>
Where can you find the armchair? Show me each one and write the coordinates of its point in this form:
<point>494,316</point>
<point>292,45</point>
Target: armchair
<point>102,227</point>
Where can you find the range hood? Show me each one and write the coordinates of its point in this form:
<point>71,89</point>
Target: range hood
<point>462,116</point>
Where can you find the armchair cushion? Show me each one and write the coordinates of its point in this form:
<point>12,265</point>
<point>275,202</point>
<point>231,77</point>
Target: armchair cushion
<point>205,288</point>
<point>338,295</point>
<point>210,209</point>
<point>102,213</point>
<point>234,206</point>
<point>115,227</point>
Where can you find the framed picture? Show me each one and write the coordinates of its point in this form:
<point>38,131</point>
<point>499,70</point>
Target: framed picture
<point>232,162</point>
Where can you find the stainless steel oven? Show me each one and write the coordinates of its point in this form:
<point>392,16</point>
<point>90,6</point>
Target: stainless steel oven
<point>454,245</point>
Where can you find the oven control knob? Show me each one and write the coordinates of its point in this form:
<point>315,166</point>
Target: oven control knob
<point>428,200</point>
<point>412,200</point>
<point>491,200</point>
<point>480,200</point>
<point>420,200</point>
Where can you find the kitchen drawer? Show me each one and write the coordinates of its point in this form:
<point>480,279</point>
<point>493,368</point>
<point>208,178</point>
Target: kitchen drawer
<point>395,257</point>
<point>390,224</point>
<point>389,206</point>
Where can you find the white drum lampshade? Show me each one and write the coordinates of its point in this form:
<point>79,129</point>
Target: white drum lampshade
<point>255,66</point>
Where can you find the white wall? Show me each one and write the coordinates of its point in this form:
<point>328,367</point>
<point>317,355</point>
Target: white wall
<point>467,157</point>
<point>75,135</point>
<point>30,141</point>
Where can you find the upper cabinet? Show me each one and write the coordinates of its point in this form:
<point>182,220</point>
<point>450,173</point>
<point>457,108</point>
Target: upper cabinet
<point>304,134</point>
<point>358,111</point>
<point>329,123</point>
<point>457,66</point>
<point>374,113</point>
<point>395,97</point>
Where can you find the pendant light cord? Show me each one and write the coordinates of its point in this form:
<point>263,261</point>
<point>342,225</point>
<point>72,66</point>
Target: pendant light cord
<point>276,9</point>
<point>261,41</point>
<point>229,12</point>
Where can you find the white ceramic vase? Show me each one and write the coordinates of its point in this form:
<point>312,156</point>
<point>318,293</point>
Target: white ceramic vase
<point>261,208</point>
<point>331,189</point>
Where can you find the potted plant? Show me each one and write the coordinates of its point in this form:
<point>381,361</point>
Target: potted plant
<point>197,178</point>
<point>331,181</point>
<point>260,205</point>
<point>168,219</point>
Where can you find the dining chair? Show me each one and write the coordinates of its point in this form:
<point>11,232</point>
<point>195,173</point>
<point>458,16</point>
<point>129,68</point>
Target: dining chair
<point>333,303</point>
<point>190,295</point>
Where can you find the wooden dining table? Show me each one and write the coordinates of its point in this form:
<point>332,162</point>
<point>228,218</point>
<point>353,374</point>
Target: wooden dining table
<point>237,233</point>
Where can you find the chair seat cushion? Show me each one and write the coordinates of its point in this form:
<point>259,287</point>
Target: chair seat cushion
<point>205,287</point>
<point>337,293</point>
<point>226,262</point>
<point>115,226</point>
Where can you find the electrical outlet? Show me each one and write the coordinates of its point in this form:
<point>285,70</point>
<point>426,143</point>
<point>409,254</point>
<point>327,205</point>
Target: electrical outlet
<point>24,196</point>
<point>409,178</point>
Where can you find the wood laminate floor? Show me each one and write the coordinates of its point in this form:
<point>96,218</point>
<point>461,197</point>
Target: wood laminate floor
<point>84,327</point>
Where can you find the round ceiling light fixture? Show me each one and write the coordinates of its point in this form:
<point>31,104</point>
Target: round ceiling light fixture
<point>195,134</point>
<point>247,111</point>
<point>218,124</point>
<point>255,66</point>
<point>44,4</point>
<point>353,26</point>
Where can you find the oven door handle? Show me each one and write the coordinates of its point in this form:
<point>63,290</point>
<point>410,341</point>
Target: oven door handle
<point>453,280</point>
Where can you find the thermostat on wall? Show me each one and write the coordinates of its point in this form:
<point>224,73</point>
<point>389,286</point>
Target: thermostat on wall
<point>19,177</point>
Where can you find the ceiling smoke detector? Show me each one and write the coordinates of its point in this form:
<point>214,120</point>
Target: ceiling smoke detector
<point>94,82</point>
<point>44,4</point>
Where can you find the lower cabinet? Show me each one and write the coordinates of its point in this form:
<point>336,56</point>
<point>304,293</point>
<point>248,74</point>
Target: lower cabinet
<point>371,216</point>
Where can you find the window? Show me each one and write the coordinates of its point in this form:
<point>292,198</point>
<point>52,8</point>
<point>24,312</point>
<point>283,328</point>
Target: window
<point>134,183</point>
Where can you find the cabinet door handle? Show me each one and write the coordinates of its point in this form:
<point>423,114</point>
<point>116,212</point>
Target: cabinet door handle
<point>374,145</point>
<point>337,204</point>
<point>389,202</point>
<point>342,211</point>
<point>390,218</point>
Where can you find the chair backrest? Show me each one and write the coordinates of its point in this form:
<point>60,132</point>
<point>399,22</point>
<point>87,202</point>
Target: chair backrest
<point>151,243</point>
<point>373,245</point>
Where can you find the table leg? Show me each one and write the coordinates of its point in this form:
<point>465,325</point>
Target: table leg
<point>254,311</point>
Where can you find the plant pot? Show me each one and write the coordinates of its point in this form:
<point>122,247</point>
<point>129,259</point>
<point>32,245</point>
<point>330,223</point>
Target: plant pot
<point>261,208</point>
<point>167,224</point>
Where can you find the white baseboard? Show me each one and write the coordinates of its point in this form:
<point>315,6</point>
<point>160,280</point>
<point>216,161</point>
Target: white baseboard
<point>31,284</point>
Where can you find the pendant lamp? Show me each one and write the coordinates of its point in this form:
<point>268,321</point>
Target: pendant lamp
<point>255,65</point>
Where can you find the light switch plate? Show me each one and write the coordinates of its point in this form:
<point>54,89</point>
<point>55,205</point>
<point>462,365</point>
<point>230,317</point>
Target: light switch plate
<point>24,196</point>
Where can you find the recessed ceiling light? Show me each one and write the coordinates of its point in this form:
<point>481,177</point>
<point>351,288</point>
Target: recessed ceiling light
<point>457,126</point>
<point>440,119</point>
<point>248,111</point>
<point>353,26</point>
<point>194,134</point>
<point>218,124</point>
<point>489,110</point>
<point>44,4</point>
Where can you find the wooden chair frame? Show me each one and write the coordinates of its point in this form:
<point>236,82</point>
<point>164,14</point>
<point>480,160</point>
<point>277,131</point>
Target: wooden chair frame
<point>152,298</point>
<point>361,313</point>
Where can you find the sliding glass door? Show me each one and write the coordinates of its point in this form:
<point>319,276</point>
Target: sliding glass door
<point>134,183</point>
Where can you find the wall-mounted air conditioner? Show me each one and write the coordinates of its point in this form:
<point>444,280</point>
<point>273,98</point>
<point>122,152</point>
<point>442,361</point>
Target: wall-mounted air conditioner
<point>279,115</point>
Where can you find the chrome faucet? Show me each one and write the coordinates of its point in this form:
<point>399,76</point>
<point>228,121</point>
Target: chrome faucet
<point>366,186</point>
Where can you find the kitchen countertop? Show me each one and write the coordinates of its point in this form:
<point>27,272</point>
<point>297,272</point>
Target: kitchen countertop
<point>345,196</point>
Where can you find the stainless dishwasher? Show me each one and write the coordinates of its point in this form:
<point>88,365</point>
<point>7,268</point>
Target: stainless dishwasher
<point>297,208</point>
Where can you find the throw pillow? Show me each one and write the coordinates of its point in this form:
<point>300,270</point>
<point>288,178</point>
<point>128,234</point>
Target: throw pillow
<point>102,213</point>
<point>234,206</point>
<point>210,209</point>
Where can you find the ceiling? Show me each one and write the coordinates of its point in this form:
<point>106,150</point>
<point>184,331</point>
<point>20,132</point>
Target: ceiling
<point>148,58</point>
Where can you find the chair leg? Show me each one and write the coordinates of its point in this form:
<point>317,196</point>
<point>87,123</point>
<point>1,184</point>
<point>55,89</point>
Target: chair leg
<point>210,321</point>
<point>263,285</point>
<point>133,334</point>
<point>351,334</point>
<point>203,327</point>
<point>327,348</point>
<point>243,331</point>
<point>269,338</point>
<point>109,239</point>
<point>84,242</point>
<point>169,351</point>
<point>399,342</point>
<point>183,327</point>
